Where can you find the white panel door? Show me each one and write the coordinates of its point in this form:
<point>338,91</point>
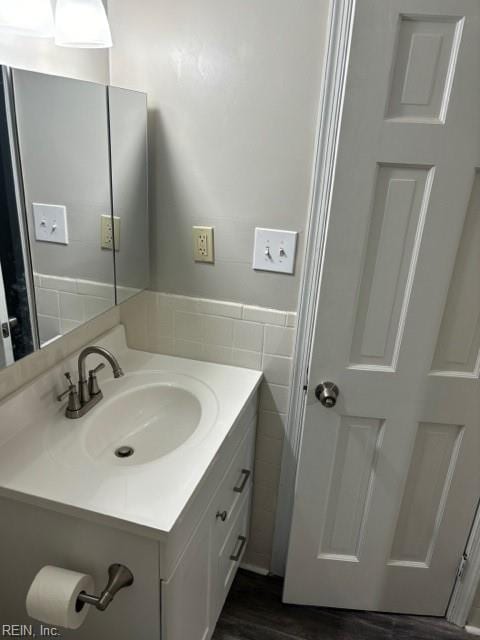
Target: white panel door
<point>389,478</point>
<point>6,350</point>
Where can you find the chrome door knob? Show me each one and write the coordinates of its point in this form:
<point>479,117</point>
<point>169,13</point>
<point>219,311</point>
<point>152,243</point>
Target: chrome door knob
<point>327,394</point>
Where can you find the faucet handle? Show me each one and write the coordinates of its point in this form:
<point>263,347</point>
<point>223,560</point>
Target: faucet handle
<point>73,400</point>
<point>71,386</point>
<point>93,387</point>
<point>93,372</point>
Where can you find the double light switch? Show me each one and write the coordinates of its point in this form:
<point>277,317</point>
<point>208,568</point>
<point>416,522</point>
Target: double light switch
<point>50,223</point>
<point>274,250</point>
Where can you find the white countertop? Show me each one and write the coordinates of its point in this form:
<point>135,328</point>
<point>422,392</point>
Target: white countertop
<point>37,465</point>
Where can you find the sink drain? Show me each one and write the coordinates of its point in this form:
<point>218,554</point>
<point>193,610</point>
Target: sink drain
<point>124,452</point>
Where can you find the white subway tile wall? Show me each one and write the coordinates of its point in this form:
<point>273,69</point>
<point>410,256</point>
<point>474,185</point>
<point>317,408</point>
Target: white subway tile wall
<point>63,304</point>
<point>239,335</point>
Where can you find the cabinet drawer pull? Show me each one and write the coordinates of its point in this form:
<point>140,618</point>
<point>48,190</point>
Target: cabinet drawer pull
<point>243,542</point>
<point>221,515</point>
<point>243,482</point>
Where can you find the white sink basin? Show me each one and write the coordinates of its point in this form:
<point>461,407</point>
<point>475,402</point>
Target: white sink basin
<point>175,413</point>
<point>143,424</point>
<point>142,417</point>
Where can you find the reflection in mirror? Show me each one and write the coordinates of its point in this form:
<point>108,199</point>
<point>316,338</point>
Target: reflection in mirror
<point>17,335</point>
<point>128,140</point>
<point>63,140</point>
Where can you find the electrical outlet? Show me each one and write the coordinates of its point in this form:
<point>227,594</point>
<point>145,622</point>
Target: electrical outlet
<point>203,244</point>
<point>106,237</point>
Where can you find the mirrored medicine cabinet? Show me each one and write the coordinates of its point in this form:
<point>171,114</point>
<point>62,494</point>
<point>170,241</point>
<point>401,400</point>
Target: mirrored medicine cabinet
<point>74,212</point>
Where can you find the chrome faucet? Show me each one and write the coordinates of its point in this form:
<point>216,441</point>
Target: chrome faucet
<point>89,394</point>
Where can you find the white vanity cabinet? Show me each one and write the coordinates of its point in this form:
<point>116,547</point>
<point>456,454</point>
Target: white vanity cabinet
<point>179,522</point>
<point>181,578</point>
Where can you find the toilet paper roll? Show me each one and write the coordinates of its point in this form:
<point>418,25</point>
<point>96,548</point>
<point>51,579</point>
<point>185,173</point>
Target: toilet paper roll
<point>52,597</point>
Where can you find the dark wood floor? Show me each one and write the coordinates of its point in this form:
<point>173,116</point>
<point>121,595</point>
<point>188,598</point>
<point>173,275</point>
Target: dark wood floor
<point>254,611</point>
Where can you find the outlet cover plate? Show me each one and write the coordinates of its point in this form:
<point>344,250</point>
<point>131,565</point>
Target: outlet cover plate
<point>275,250</point>
<point>203,244</point>
<point>106,235</point>
<point>50,222</point>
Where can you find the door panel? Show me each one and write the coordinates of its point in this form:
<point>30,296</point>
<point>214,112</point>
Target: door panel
<point>424,66</point>
<point>434,458</point>
<point>389,479</point>
<point>353,472</point>
<point>395,229</point>
<point>458,344</point>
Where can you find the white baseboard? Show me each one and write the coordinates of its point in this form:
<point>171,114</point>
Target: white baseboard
<point>475,631</point>
<point>254,569</point>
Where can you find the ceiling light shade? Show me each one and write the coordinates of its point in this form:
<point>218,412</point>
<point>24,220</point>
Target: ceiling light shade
<point>82,24</point>
<point>27,17</point>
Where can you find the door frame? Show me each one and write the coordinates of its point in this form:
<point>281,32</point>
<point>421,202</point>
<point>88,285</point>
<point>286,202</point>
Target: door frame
<point>339,37</point>
<point>332,93</point>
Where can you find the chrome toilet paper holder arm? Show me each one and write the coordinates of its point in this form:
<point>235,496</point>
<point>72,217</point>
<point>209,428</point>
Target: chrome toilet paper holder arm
<point>119,576</point>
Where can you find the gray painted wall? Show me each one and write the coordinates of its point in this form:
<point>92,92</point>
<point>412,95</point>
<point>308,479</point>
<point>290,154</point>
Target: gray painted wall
<point>233,96</point>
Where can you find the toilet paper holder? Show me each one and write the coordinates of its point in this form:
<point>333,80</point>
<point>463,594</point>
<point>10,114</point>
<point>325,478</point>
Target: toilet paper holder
<point>119,576</point>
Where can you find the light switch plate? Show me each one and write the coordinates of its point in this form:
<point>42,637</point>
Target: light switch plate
<point>203,250</point>
<point>275,250</point>
<point>106,233</point>
<point>50,221</point>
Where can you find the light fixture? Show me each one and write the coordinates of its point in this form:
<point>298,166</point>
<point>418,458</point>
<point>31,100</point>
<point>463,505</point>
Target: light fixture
<point>82,24</point>
<point>27,17</point>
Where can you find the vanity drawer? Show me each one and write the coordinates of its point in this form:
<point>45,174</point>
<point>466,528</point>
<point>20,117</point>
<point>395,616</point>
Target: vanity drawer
<point>236,484</point>
<point>231,552</point>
